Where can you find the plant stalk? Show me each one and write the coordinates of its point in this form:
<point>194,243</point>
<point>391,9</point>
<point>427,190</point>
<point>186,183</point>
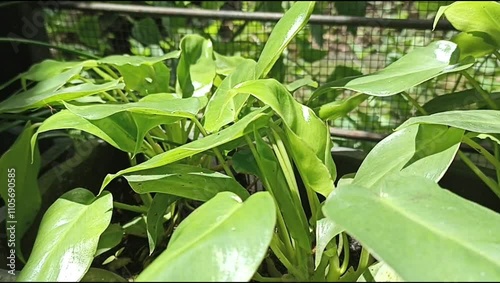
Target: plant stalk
<point>481,91</point>
<point>490,183</point>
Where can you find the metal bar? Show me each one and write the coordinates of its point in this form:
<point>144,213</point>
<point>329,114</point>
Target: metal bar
<point>250,16</point>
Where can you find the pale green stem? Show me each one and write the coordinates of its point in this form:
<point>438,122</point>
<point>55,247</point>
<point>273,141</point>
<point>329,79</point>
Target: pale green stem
<point>217,152</point>
<point>492,159</point>
<point>282,230</point>
<point>481,91</point>
<point>102,74</point>
<point>490,183</point>
<point>128,207</point>
<point>414,103</point>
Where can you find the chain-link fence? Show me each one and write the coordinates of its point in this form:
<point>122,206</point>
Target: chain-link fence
<point>341,39</point>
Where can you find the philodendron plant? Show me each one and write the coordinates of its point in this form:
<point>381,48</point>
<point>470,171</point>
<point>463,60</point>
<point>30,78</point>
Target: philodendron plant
<point>224,117</point>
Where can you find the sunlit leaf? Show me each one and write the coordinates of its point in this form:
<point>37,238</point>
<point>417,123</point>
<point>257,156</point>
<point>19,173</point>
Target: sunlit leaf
<point>223,240</point>
<point>412,216</point>
<point>68,237</point>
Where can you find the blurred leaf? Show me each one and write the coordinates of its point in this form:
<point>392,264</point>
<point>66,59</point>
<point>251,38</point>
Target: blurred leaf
<point>412,215</point>
<point>196,68</point>
<point>68,237</point>
<point>122,60</point>
<point>187,181</point>
<point>146,31</point>
<point>101,275</point>
<point>89,31</point>
<point>351,8</point>
<point>234,240</point>
<point>20,190</point>
<point>308,53</point>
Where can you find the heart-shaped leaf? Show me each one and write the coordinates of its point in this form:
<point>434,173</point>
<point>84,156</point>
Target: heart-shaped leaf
<point>68,237</point>
<point>223,240</point>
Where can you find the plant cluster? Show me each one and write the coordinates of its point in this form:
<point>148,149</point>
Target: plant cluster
<point>292,218</point>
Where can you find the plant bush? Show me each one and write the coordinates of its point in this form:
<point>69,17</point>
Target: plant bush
<point>292,218</point>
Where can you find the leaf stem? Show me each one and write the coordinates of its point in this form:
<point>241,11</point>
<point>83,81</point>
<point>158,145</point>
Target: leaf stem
<point>490,183</point>
<point>481,91</point>
<point>128,207</point>
<point>492,159</point>
<point>216,150</point>
<point>414,103</point>
<point>497,54</point>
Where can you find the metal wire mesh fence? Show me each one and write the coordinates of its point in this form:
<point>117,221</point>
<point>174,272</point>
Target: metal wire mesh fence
<point>325,51</point>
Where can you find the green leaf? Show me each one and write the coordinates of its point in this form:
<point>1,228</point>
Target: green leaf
<point>413,216</point>
<point>479,121</point>
<point>146,78</point>
<point>293,86</point>
<point>326,230</point>
<point>187,181</point>
<point>223,107</point>
<point>255,119</point>
<point>124,125</point>
<point>308,135</point>
<point>287,200</point>
<point>425,150</point>
<point>284,31</point>
<point>457,101</point>
<point>161,202</point>
<point>480,16</point>
<point>196,68</point>
<point>225,65</point>
<point>109,239</point>
<point>19,189</point>
<point>117,130</point>
<point>146,31</point>
<point>416,67</point>
<point>223,240</point>
<point>50,68</point>
<point>122,60</point>
<point>68,237</point>
<point>473,44</point>
<point>337,109</point>
<point>101,275</point>
<point>35,97</point>
<point>244,162</point>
